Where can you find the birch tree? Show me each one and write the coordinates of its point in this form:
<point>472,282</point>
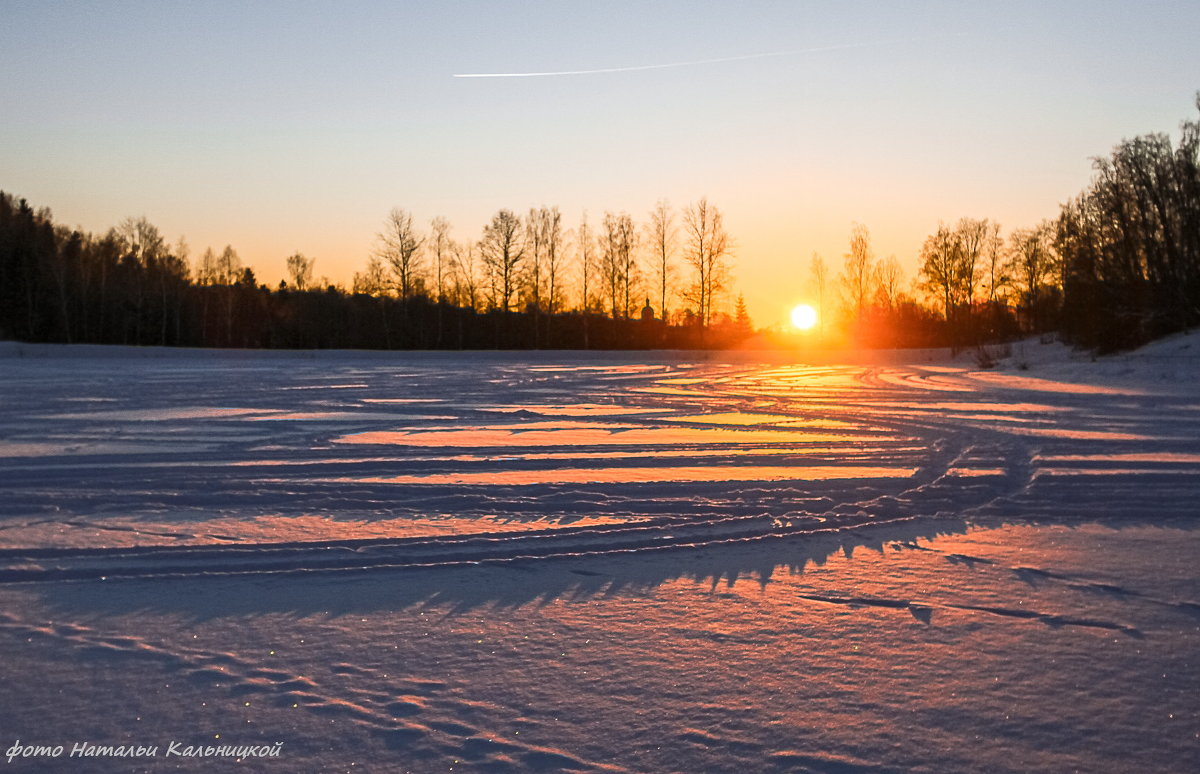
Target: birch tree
<point>399,248</point>
<point>619,261</point>
<point>820,278</point>
<point>661,237</point>
<point>440,246</point>
<point>585,249</point>
<point>502,249</point>
<point>858,270</point>
<point>707,251</point>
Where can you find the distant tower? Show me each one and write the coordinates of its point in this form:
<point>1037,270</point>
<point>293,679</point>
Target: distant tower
<point>647,312</point>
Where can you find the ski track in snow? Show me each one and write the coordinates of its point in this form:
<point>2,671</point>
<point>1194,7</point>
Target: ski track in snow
<point>218,469</point>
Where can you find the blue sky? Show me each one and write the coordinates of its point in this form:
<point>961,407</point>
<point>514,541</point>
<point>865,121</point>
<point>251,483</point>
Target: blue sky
<point>278,127</point>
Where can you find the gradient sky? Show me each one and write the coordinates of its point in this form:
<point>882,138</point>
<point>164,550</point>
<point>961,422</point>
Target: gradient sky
<point>278,127</point>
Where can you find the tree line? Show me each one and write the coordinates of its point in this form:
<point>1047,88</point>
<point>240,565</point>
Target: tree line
<point>1119,265</point>
<point>525,282</point>
<point>535,264</point>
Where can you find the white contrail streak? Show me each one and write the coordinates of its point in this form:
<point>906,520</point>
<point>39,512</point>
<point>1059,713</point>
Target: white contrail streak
<point>667,65</point>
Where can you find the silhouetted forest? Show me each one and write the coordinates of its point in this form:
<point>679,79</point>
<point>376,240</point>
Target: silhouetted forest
<point>1129,245</point>
<point>129,287</point>
<point>1118,266</point>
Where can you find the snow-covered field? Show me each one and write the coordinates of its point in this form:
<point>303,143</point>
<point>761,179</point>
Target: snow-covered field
<point>576,562</point>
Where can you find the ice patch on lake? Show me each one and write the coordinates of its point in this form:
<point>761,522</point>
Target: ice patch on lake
<point>288,437</point>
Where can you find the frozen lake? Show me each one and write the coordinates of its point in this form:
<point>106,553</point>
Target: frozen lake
<point>563,562</point>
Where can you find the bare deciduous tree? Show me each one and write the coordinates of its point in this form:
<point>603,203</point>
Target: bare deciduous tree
<point>994,268</point>
<point>619,261</point>
<point>502,250</point>
<point>1033,266</point>
<point>300,269</point>
<point>820,278</point>
<point>466,275</point>
<point>662,236</point>
<point>858,270</point>
<point>708,251</point>
<point>585,247</point>
<point>955,261</point>
<point>890,279</point>
<point>973,238</point>
<point>173,279</point>
<point>206,268</point>
<point>228,267</point>
<point>373,279</point>
<point>552,238</point>
<point>439,243</point>
<point>229,271</point>
<point>939,268</point>
<point>141,240</point>
<point>400,249</point>
<point>534,249</point>
<point>543,248</point>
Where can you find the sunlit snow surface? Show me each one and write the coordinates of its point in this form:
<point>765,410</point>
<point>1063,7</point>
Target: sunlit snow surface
<point>504,562</point>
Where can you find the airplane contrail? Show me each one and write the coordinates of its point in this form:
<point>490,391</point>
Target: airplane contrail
<point>692,63</point>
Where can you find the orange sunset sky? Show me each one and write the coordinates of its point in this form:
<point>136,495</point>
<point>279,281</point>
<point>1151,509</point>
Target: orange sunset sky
<point>283,127</point>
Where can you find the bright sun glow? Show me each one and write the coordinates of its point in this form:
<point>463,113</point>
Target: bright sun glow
<point>804,317</point>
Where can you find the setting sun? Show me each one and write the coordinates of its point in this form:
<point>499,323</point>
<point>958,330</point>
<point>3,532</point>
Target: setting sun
<point>804,317</point>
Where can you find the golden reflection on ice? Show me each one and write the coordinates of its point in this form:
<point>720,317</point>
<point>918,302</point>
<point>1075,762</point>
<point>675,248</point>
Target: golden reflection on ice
<point>744,418</point>
<point>922,381</point>
<point>1013,381</point>
<point>644,475</point>
<point>969,406</point>
<point>672,391</point>
<point>855,451</point>
<point>974,472</point>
